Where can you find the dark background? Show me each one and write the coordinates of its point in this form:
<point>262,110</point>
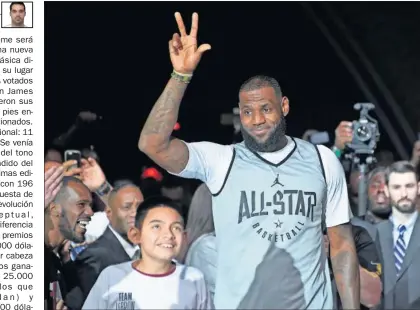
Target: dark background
<point>112,58</point>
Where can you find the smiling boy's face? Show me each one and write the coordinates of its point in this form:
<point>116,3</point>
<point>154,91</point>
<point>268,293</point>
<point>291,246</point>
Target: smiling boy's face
<point>161,234</point>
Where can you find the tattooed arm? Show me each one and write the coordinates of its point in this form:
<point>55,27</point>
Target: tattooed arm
<point>345,265</point>
<point>155,139</point>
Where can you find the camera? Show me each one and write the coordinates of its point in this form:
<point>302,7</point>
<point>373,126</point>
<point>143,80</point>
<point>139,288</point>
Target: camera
<point>365,131</point>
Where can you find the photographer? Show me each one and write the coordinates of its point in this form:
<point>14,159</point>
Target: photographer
<point>343,136</point>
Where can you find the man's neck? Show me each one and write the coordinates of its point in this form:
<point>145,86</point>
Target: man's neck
<point>17,25</point>
<point>281,144</point>
<point>372,218</point>
<point>122,235</point>
<point>51,240</point>
<point>402,218</point>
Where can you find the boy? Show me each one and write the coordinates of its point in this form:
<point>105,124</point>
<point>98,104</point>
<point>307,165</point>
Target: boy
<point>155,281</point>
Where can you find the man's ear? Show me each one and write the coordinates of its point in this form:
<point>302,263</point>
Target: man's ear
<point>134,235</point>
<point>54,209</point>
<point>108,212</point>
<point>285,106</point>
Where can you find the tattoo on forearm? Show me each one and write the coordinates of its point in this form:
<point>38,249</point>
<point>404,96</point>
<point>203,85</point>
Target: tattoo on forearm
<point>345,265</point>
<point>164,114</point>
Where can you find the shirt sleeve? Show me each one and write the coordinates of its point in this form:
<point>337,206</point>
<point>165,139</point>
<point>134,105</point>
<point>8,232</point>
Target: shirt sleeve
<point>366,250</point>
<point>208,162</point>
<point>205,299</point>
<point>96,298</point>
<point>337,203</point>
<point>203,256</point>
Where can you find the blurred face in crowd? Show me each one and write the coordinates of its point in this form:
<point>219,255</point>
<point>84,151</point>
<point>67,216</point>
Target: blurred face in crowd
<point>53,155</point>
<point>378,201</point>
<point>263,122</point>
<point>161,234</point>
<point>17,13</point>
<point>402,190</point>
<point>75,211</point>
<point>123,208</point>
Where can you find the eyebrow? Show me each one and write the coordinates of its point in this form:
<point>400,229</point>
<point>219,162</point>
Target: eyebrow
<point>130,202</point>
<point>160,221</point>
<point>262,105</point>
<point>84,201</point>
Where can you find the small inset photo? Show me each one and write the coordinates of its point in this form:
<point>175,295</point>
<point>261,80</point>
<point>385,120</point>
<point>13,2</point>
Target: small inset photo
<point>16,14</point>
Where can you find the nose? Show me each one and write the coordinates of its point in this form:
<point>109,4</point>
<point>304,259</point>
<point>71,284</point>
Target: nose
<point>89,211</point>
<point>403,192</point>
<point>258,119</point>
<point>168,234</point>
<point>133,212</point>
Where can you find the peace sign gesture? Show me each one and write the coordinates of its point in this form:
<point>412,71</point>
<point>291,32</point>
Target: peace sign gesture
<point>183,50</point>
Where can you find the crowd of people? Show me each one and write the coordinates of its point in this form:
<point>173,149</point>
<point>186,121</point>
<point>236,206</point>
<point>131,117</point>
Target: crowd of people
<point>272,226</point>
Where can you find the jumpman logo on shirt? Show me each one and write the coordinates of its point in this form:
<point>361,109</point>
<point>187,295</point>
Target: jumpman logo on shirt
<point>277,182</point>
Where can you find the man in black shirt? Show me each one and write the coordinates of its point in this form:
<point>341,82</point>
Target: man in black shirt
<point>370,270</point>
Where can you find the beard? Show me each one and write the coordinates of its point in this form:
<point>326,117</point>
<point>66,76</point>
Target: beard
<point>406,208</point>
<point>273,143</point>
<point>381,212</point>
<point>69,233</point>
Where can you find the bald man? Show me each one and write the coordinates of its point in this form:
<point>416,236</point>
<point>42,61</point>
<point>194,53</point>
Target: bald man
<point>113,247</point>
<point>65,219</point>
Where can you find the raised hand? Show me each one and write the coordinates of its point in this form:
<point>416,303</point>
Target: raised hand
<point>92,175</point>
<point>343,134</point>
<point>184,53</point>
<point>52,183</point>
<point>71,169</point>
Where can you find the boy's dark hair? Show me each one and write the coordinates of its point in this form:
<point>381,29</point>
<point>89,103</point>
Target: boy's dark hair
<point>374,172</point>
<point>151,203</point>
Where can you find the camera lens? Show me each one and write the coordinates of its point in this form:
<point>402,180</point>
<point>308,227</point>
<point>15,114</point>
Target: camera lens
<point>363,133</point>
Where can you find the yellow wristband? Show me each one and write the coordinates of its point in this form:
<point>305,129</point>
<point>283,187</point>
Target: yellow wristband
<point>185,78</point>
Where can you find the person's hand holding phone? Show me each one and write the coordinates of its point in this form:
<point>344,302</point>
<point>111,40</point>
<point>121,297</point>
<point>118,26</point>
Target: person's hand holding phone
<point>71,169</point>
<point>92,175</point>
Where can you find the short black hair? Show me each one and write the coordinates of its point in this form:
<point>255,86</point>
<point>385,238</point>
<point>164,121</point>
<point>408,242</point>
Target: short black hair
<point>261,81</point>
<point>400,167</point>
<point>63,194</point>
<point>375,171</point>
<point>119,185</point>
<point>19,3</point>
<point>151,203</point>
